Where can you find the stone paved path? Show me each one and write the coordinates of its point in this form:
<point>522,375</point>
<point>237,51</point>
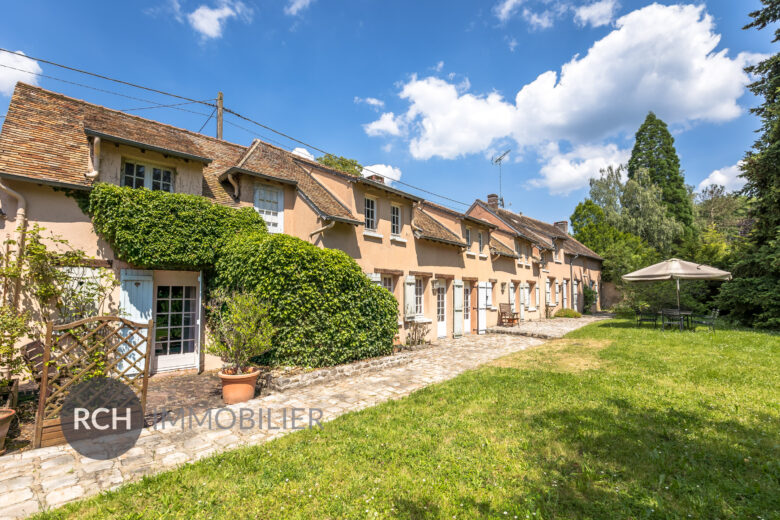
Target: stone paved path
<point>546,329</point>
<point>49,477</point>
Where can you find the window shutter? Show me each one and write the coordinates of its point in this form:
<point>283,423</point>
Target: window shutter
<point>512,296</point>
<point>457,308</point>
<point>375,277</point>
<point>409,302</point>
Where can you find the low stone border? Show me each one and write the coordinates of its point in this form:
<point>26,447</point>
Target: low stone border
<point>323,375</point>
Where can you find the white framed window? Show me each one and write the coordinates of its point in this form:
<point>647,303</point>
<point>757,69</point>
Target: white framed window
<point>441,303</point>
<point>387,282</point>
<point>468,237</point>
<point>370,214</point>
<point>527,300</point>
<point>536,295</point>
<point>466,302</point>
<point>395,220</point>
<point>269,202</point>
<point>565,294</point>
<point>512,296</point>
<point>479,241</point>
<point>557,293</point>
<point>419,292</point>
<point>547,294</point>
<point>137,175</point>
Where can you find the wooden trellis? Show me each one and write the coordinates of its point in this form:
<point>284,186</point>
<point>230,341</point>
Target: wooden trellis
<point>107,346</point>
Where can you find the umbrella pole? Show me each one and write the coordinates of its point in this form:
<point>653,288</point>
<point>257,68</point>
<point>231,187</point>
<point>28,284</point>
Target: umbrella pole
<point>678,295</point>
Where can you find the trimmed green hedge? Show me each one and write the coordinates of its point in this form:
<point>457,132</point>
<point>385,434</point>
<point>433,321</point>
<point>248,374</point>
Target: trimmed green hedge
<point>567,313</point>
<point>159,230</point>
<point>325,310</point>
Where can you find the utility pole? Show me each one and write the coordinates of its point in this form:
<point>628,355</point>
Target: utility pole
<point>219,115</point>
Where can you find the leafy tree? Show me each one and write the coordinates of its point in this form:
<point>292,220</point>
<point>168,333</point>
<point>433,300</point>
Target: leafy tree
<point>654,151</point>
<point>338,162</point>
<point>753,298</point>
<point>720,210</point>
<point>644,214</point>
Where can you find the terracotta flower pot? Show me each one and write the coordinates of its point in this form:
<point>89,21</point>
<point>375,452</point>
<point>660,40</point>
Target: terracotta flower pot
<point>238,388</point>
<point>6,416</point>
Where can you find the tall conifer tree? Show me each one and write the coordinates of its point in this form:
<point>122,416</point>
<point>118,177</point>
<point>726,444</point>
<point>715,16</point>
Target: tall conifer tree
<point>654,150</point>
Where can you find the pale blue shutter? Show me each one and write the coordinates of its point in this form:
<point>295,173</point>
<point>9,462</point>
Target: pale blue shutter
<point>457,308</point>
<point>137,296</point>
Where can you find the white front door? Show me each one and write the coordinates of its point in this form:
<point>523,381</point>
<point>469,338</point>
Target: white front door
<point>467,307</point>
<point>176,325</point>
<point>269,202</point>
<point>482,301</point>
<point>565,294</point>
<point>441,309</point>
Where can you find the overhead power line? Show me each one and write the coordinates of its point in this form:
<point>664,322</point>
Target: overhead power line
<point>190,101</point>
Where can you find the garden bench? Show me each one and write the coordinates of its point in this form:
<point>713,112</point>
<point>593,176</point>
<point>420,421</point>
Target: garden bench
<point>506,316</point>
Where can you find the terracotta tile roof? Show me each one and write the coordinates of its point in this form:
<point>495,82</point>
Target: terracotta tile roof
<point>44,137</point>
<point>499,248</point>
<point>431,229</point>
<point>540,232</point>
<point>265,158</point>
<point>459,215</point>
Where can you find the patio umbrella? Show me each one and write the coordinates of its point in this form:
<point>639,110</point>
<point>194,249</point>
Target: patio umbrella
<point>676,269</point>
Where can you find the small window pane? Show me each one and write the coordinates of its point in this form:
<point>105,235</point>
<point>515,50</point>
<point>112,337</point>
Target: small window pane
<point>163,292</point>
<point>175,347</point>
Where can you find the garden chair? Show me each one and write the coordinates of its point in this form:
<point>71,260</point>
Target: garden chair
<point>672,318</point>
<point>707,320</point>
<point>646,317</point>
<point>506,316</point>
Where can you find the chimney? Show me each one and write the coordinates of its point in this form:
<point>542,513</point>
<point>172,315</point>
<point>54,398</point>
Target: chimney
<point>563,225</point>
<point>376,178</point>
<point>492,200</point>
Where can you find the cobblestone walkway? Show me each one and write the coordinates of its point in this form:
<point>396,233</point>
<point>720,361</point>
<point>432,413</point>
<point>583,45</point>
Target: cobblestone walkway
<point>49,477</point>
<point>546,329</point>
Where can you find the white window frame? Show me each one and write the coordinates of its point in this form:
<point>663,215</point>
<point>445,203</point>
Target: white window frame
<point>148,174</point>
<point>370,223</point>
<point>480,241</point>
<point>419,296</point>
<point>468,238</point>
<point>387,282</point>
<point>441,302</point>
<point>396,220</point>
<point>274,218</point>
<point>467,302</point>
<point>536,295</point>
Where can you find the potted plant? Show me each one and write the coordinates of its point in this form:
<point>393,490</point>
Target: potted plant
<point>13,327</point>
<point>240,330</point>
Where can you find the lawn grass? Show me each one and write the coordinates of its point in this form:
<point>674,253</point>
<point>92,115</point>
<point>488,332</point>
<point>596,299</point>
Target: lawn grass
<point>611,422</point>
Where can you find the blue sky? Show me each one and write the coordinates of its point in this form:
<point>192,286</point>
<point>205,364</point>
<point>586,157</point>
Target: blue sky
<point>425,89</point>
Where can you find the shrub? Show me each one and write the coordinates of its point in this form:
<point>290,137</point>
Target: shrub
<point>240,328</point>
<point>567,313</point>
<point>588,298</point>
<point>160,230</point>
<point>325,311</point>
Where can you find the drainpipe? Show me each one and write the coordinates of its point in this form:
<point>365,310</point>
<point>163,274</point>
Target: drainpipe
<point>232,180</point>
<point>323,229</point>
<point>21,218</point>
<point>95,162</point>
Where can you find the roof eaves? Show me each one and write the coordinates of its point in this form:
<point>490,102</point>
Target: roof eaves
<point>47,182</point>
<point>146,146</point>
<point>390,189</point>
<point>244,171</point>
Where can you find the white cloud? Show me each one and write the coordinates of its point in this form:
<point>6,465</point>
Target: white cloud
<point>373,102</point>
<point>506,8</point>
<point>303,152</point>
<point>296,6</point>
<point>439,66</point>
<point>563,173</point>
<point>512,42</point>
<point>210,21</point>
<point>387,124</point>
<point>538,20</point>
<point>659,58</point>
<point>390,173</point>
<point>596,14</point>
<point>727,176</point>
<point>9,77</point>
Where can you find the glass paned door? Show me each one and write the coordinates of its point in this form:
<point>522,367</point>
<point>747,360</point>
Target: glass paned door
<point>441,310</point>
<point>175,331</point>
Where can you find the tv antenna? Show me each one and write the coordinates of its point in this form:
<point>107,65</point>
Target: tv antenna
<point>499,160</point>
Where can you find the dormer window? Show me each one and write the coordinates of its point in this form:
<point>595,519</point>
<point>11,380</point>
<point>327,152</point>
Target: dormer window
<point>137,175</point>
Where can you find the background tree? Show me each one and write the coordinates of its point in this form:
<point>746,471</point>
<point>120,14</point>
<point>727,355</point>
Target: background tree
<point>337,162</point>
<point>654,151</point>
<point>722,211</point>
<point>753,298</point>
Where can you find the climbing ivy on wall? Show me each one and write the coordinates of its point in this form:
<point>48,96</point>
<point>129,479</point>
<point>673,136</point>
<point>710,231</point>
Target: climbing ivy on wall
<point>160,230</point>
